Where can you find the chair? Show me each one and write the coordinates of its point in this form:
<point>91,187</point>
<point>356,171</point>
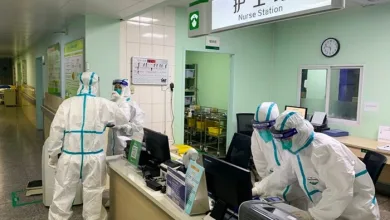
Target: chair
<point>239,152</point>
<point>374,164</point>
<point>244,123</point>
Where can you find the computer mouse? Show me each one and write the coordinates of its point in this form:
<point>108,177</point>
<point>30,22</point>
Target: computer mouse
<point>163,189</point>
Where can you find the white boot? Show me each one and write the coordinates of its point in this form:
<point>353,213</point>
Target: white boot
<point>103,214</point>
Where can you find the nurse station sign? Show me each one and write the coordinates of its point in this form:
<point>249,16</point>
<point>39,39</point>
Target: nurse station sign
<point>230,14</point>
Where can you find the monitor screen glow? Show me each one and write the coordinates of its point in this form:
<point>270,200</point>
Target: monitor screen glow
<point>301,111</point>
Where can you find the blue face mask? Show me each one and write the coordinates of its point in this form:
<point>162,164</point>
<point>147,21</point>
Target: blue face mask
<point>265,135</point>
<point>119,91</point>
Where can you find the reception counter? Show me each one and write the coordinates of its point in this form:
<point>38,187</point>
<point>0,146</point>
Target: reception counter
<point>131,199</point>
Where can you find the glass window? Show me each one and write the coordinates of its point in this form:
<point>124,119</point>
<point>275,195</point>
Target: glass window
<point>313,90</point>
<point>332,89</point>
<point>344,93</point>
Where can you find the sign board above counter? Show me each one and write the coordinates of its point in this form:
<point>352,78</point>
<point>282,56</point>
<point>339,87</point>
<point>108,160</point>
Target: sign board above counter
<point>233,14</point>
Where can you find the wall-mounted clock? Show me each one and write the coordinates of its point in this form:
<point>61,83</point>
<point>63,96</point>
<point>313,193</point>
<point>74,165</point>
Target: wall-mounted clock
<point>330,47</point>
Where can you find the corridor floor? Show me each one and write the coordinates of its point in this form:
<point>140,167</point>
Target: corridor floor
<point>20,162</point>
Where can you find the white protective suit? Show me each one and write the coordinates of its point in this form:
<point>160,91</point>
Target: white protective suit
<point>77,132</point>
<point>333,178</point>
<point>268,157</point>
<point>116,145</point>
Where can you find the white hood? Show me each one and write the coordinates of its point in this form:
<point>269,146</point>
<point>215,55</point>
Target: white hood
<point>88,83</point>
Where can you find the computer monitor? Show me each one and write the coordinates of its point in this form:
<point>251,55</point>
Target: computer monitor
<point>240,152</point>
<point>228,184</point>
<point>302,111</point>
<point>157,145</point>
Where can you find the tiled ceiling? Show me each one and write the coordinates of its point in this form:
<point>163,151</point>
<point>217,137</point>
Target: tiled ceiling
<point>23,22</point>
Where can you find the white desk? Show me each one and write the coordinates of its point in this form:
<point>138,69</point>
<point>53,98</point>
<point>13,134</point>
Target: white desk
<point>131,199</point>
<point>359,145</point>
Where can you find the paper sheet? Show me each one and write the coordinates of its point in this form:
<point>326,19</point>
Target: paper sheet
<point>371,106</point>
<point>318,118</point>
<point>386,148</point>
<point>384,134</point>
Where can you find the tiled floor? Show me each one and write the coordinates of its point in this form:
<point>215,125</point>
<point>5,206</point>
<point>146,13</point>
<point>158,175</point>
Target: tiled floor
<point>384,206</point>
<point>20,162</point>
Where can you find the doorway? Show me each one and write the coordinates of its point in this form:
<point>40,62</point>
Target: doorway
<point>206,101</point>
<point>39,91</point>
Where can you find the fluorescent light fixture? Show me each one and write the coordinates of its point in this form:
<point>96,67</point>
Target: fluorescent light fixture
<point>134,19</point>
<point>147,35</point>
<point>153,35</point>
<point>138,24</point>
<point>142,19</point>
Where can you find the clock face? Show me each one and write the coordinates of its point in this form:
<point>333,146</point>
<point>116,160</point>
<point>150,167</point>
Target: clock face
<point>330,47</point>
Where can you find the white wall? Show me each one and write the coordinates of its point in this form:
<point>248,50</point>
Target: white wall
<point>151,35</point>
<point>102,53</point>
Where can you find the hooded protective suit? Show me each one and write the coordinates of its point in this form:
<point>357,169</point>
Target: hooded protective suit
<point>135,123</point>
<point>266,155</point>
<point>332,177</point>
<point>269,157</point>
<point>77,132</point>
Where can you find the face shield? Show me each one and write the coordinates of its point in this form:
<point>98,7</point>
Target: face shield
<point>284,136</point>
<point>118,85</point>
<point>263,129</point>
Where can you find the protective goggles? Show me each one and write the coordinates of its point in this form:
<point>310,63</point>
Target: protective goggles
<point>282,135</point>
<point>121,82</point>
<point>262,125</point>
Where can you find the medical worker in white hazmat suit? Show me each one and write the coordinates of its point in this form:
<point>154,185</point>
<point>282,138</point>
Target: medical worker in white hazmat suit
<point>332,177</point>
<point>121,95</point>
<point>269,156</point>
<point>77,133</point>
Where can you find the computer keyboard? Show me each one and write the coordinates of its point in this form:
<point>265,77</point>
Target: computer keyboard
<point>172,164</point>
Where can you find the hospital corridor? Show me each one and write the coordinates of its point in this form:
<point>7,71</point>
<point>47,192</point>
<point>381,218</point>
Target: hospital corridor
<point>21,162</point>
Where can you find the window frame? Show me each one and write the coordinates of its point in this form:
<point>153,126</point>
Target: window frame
<point>328,69</point>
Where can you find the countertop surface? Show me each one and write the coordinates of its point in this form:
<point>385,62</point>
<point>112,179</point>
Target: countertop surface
<point>134,177</point>
<point>363,143</point>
